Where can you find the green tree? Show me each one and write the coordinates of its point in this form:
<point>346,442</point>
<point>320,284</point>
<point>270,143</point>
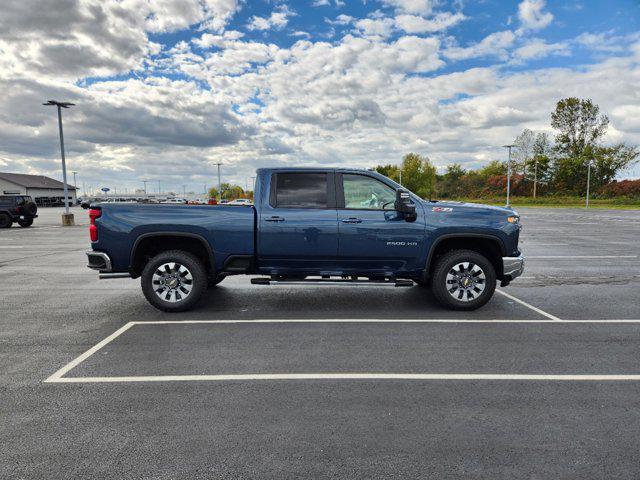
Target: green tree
<point>418,175</point>
<point>579,126</point>
<point>391,171</point>
<point>229,192</point>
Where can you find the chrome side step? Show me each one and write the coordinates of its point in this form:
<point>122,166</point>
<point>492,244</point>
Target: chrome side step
<point>107,276</point>
<point>334,282</point>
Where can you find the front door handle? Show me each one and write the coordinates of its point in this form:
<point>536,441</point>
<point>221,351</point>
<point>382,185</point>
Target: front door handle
<point>351,220</point>
<point>274,219</point>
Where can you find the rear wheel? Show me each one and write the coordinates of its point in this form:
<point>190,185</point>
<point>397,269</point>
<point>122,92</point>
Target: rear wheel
<point>463,280</point>
<point>5,220</point>
<point>174,281</point>
<point>27,222</point>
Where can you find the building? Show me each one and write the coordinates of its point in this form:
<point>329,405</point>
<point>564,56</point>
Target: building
<point>44,190</point>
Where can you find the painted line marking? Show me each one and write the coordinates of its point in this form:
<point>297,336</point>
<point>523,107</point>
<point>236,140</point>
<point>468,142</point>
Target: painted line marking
<point>75,362</point>
<point>58,377</point>
<point>347,376</point>
<point>528,305</point>
<point>580,256</point>
<point>11,246</point>
<point>373,320</point>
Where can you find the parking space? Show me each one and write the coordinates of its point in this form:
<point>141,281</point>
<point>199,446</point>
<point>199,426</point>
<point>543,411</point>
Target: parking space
<point>304,382</point>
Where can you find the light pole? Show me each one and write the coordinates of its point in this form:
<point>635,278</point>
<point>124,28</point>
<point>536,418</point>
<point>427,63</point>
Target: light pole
<point>219,183</point>
<point>67,218</point>
<point>158,187</point>
<point>145,186</point>
<point>588,182</point>
<point>509,147</point>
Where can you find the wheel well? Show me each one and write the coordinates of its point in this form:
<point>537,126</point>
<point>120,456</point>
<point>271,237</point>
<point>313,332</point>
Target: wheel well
<point>148,247</point>
<point>488,247</point>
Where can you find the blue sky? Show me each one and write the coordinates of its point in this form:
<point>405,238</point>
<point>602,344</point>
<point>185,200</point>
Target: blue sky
<point>167,88</point>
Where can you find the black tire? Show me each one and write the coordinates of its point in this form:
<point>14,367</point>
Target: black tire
<point>5,220</point>
<point>198,280</point>
<point>472,299</point>
<point>27,222</point>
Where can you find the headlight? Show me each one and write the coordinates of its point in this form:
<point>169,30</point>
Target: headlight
<point>513,219</point>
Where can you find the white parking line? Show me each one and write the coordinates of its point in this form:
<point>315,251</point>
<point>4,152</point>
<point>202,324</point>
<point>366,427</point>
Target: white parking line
<point>528,305</point>
<point>348,376</point>
<point>75,362</point>
<point>581,256</point>
<point>58,377</point>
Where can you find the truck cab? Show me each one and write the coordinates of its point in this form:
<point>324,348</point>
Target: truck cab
<point>312,226</point>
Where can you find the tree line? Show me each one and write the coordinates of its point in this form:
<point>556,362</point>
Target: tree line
<point>540,166</point>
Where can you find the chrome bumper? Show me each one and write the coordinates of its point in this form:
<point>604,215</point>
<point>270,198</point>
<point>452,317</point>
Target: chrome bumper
<point>512,267</point>
<point>99,261</point>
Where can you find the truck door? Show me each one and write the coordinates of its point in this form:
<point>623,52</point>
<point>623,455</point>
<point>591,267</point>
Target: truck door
<point>298,225</point>
<point>373,236</point>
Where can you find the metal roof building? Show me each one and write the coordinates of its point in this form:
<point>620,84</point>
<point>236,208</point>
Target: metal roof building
<point>43,190</point>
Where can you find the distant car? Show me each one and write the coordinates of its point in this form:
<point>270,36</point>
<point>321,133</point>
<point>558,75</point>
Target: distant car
<point>241,201</point>
<point>174,200</point>
<point>223,202</point>
<point>20,209</point>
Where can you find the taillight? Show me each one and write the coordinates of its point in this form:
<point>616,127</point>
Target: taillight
<point>93,229</point>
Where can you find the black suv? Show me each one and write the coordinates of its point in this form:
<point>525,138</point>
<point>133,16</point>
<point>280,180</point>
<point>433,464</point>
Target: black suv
<point>17,208</point>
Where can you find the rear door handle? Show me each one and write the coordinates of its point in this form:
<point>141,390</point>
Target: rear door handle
<point>274,219</point>
<point>351,220</point>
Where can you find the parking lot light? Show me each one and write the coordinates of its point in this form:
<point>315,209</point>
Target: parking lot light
<point>509,147</point>
<point>67,218</point>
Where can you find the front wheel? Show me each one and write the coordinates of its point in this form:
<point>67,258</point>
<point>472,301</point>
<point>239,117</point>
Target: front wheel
<point>174,281</point>
<point>463,280</point>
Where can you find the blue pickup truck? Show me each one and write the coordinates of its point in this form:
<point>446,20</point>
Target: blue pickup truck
<point>311,226</point>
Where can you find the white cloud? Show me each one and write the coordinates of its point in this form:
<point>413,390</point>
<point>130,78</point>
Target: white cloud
<point>532,16</point>
<point>495,44</point>
<point>276,21</point>
<point>538,48</point>
<point>418,24</point>
<point>382,27</point>
<point>422,7</point>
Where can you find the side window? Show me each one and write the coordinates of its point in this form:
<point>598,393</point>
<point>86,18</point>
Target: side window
<point>302,190</point>
<point>366,193</point>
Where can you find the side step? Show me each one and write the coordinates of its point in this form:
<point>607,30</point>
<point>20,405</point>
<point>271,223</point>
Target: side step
<point>333,282</point>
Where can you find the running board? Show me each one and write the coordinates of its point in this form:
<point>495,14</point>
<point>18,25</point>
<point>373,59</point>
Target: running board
<point>330,282</point>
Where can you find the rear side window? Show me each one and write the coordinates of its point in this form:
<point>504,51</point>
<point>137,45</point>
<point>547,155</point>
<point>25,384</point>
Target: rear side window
<point>302,190</point>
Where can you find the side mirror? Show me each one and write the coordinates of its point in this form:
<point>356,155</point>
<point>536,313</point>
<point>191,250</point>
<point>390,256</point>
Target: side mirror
<point>405,205</point>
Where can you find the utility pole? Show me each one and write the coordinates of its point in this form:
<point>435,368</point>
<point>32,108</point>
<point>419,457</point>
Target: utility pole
<point>588,182</point>
<point>75,185</point>
<point>219,183</point>
<point>509,147</point>
<point>158,187</point>
<point>535,177</point>
<point>145,186</point>
<point>67,218</point>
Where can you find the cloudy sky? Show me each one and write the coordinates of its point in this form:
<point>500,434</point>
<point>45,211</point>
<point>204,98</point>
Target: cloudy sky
<point>167,88</point>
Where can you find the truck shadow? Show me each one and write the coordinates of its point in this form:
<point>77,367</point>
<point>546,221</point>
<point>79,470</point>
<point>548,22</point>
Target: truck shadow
<point>242,302</point>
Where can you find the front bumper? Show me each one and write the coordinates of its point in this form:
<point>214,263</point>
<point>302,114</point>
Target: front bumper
<point>512,267</point>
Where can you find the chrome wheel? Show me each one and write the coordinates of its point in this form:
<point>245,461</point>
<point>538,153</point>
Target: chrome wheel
<point>172,282</point>
<point>466,281</point>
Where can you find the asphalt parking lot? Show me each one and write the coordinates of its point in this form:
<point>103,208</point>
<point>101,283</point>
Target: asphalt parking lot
<point>331,382</point>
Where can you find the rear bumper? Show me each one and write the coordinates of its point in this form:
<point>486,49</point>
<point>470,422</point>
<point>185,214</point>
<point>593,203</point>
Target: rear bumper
<point>512,267</point>
<point>99,261</point>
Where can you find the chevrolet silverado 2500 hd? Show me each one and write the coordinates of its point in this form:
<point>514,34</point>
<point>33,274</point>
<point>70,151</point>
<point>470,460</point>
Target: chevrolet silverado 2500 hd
<point>311,226</point>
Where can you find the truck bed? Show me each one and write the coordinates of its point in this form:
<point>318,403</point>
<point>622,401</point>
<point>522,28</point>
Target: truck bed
<point>230,230</point>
